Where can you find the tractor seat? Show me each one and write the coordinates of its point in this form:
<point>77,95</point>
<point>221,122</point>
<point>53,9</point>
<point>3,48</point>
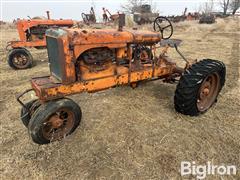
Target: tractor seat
<point>170,42</point>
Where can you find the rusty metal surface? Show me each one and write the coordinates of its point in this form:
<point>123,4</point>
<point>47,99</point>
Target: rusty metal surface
<point>89,60</point>
<point>46,89</point>
<point>111,36</point>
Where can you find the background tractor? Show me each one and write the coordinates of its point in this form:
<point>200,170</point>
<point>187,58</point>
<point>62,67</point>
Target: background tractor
<point>31,34</point>
<point>112,17</point>
<point>90,60</point>
<point>207,19</point>
<point>89,18</point>
<point>143,14</point>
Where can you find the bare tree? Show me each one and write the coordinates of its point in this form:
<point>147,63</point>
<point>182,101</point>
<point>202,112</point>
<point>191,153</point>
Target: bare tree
<point>234,6</point>
<point>207,7</point>
<point>132,5</point>
<point>225,5</point>
<point>154,6</point>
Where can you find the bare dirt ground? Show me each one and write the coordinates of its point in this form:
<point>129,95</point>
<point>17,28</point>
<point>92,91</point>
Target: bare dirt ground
<point>126,133</point>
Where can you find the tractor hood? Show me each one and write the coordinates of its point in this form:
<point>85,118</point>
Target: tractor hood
<point>105,36</point>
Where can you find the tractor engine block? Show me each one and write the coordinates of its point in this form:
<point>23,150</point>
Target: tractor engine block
<point>98,56</point>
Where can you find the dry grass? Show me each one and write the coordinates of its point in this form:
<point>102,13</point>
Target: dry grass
<point>7,26</point>
<point>125,133</point>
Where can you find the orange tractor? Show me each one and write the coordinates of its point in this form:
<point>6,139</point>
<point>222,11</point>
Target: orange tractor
<point>90,60</point>
<point>32,34</point>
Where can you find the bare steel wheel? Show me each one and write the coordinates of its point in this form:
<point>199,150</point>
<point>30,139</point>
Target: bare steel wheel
<point>58,125</point>
<point>199,86</point>
<point>19,58</point>
<point>208,92</point>
<point>54,121</point>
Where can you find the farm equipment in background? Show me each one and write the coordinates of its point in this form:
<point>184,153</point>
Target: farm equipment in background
<point>31,34</point>
<point>177,19</point>
<point>143,14</point>
<point>89,18</point>
<point>2,22</point>
<point>90,60</point>
<point>192,16</point>
<point>207,19</point>
<point>112,17</point>
<point>185,16</point>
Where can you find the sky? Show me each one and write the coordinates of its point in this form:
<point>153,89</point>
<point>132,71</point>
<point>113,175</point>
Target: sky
<point>72,9</point>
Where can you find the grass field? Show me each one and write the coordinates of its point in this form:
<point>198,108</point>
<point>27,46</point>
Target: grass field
<point>126,133</point>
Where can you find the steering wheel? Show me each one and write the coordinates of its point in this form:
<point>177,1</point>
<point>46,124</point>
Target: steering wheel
<point>163,25</point>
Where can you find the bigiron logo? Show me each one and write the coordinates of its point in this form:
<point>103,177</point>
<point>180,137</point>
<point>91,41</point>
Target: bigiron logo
<point>202,171</point>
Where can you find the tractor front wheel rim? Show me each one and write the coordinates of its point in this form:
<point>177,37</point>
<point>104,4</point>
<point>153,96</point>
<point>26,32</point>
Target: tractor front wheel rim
<point>208,92</point>
<point>20,60</point>
<point>58,125</point>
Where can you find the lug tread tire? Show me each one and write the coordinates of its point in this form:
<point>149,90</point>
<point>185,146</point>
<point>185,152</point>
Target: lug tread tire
<point>186,94</point>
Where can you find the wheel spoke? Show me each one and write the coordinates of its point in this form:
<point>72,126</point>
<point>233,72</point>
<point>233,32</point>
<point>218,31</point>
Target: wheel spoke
<point>166,26</point>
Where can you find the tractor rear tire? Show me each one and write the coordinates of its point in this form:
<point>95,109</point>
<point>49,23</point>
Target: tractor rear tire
<point>54,120</point>
<point>199,86</point>
<point>25,115</point>
<point>20,58</point>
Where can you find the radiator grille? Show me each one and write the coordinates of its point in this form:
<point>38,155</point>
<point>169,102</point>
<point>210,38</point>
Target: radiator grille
<point>55,58</point>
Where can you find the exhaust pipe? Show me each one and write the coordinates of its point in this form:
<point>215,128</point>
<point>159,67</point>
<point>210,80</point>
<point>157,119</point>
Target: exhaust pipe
<point>121,22</point>
<point>48,14</point>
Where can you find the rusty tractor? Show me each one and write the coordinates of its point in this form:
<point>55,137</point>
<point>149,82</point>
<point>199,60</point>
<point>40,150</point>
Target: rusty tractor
<point>32,34</point>
<point>90,60</point>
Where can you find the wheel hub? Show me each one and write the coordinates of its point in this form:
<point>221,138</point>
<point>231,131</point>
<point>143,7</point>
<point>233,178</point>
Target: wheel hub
<point>208,92</point>
<point>58,125</point>
<point>56,121</point>
<point>20,60</point>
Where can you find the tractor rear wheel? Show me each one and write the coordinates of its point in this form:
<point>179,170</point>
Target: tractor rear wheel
<point>199,87</point>
<point>54,121</point>
<point>19,58</point>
